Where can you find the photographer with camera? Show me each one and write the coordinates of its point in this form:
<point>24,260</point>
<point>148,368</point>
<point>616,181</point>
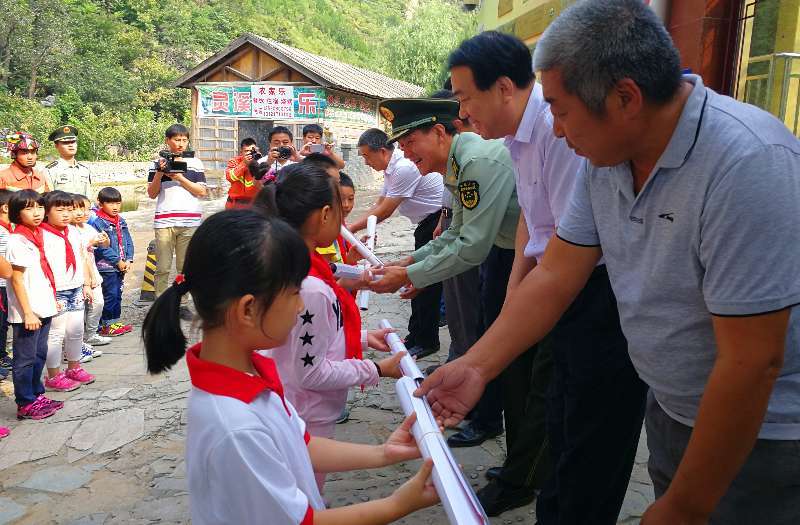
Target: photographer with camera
<point>281,150</point>
<point>312,143</point>
<point>245,175</point>
<point>178,180</point>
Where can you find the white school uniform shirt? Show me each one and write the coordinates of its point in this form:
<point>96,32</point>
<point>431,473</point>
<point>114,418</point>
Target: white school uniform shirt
<point>247,459</point>
<point>312,364</point>
<point>4,235</point>
<point>23,253</point>
<point>88,235</point>
<point>56,252</point>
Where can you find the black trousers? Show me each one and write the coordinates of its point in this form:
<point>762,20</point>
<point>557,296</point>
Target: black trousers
<point>4,322</point>
<point>494,272</point>
<point>525,383</point>
<point>595,410</point>
<point>423,326</point>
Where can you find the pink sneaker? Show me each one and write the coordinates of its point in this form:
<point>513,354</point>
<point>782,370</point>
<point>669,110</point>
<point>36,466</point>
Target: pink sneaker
<point>112,330</point>
<point>58,405</point>
<point>4,432</point>
<point>35,410</point>
<point>80,375</point>
<point>61,383</point>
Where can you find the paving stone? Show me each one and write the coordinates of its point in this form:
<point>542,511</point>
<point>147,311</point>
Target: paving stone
<point>10,510</point>
<point>116,393</point>
<point>60,479</point>
<point>109,431</point>
<point>26,444</point>
<point>94,519</point>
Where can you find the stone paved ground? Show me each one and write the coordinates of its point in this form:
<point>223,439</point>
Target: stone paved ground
<point>114,454</point>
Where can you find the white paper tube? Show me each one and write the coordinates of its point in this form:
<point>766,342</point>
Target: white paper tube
<point>362,300</point>
<point>359,246</point>
<point>350,271</point>
<point>407,364</point>
<point>458,499</point>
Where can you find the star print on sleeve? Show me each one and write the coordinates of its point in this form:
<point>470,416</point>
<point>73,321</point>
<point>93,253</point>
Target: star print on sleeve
<point>308,360</point>
<point>307,318</point>
<point>307,339</point>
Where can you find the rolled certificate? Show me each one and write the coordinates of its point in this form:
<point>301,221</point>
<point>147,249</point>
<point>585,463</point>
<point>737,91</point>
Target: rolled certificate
<point>372,224</point>
<point>363,250</point>
<point>407,364</point>
<point>458,499</point>
<point>349,271</point>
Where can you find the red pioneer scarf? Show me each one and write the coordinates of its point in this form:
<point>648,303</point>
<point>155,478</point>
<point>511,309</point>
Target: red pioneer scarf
<point>64,234</point>
<point>35,237</point>
<point>8,226</point>
<point>321,269</point>
<point>116,221</point>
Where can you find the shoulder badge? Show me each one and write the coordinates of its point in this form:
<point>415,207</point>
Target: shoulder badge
<point>469,194</point>
<point>52,164</point>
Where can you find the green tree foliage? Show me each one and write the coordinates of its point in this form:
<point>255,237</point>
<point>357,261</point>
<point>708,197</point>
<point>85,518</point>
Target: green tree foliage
<point>108,65</point>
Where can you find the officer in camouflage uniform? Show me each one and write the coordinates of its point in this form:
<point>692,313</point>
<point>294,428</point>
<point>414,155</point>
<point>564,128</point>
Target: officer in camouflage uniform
<point>67,174</point>
<point>480,175</point>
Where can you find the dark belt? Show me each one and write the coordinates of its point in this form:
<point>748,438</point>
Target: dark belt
<point>447,212</point>
<point>239,199</point>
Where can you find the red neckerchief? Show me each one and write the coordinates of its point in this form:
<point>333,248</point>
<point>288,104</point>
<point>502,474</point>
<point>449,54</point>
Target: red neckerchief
<point>68,249</point>
<point>221,380</point>
<point>321,269</point>
<point>8,226</point>
<point>35,237</point>
<point>116,221</point>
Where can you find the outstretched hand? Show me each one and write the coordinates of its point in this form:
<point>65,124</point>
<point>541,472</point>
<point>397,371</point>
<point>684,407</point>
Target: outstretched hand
<point>452,391</point>
<point>401,445</point>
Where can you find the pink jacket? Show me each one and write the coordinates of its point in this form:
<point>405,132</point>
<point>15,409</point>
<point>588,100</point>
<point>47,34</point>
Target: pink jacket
<point>312,365</point>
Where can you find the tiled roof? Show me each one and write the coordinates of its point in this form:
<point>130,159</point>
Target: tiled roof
<point>325,71</point>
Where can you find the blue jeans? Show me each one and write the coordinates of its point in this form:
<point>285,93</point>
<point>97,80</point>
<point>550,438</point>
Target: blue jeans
<point>27,363</point>
<point>112,295</point>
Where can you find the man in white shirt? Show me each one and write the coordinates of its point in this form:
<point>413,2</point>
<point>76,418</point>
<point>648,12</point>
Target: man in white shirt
<point>282,152</point>
<point>419,198</point>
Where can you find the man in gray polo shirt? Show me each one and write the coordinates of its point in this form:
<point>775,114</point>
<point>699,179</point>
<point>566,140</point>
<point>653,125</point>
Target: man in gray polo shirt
<point>693,200</point>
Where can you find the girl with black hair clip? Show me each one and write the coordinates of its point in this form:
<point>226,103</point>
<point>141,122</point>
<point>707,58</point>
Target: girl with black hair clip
<point>249,456</point>
<point>322,358</point>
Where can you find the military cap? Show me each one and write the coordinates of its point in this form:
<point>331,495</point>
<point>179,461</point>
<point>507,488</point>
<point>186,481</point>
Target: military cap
<point>407,114</point>
<point>64,133</point>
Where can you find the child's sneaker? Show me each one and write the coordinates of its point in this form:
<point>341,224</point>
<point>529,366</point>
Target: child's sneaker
<point>96,353</point>
<point>80,375</point>
<point>58,405</point>
<point>61,383</point>
<point>127,328</point>
<point>87,353</point>
<point>112,330</point>
<point>98,340</point>
<point>36,410</point>
<point>4,432</point>
<point>5,362</point>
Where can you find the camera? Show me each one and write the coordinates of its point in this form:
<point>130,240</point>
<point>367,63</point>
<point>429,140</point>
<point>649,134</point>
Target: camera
<point>284,152</point>
<point>173,165</point>
<point>254,155</point>
<point>317,148</point>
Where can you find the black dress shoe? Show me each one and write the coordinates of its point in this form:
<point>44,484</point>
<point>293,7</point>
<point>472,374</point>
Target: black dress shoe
<point>418,352</point>
<point>470,436</point>
<point>493,473</point>
<point>497,498</point>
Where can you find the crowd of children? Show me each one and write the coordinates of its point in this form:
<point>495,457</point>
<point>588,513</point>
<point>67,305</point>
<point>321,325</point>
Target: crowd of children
<point>62,262</point>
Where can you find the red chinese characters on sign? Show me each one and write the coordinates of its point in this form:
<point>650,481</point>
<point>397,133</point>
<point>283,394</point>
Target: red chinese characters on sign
<point>306,103</point>
<point>220,101</point>
<point>242,102</point>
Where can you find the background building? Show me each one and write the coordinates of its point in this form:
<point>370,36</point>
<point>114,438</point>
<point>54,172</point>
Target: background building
<point>749,49</point>
<point>256,83</point>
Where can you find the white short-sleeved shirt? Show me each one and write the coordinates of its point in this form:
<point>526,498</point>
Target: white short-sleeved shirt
<point>422,195</point>
<point>89,235</point>
<point>247,459</point>
<point>176,206</point>
<point>4,235</point>
<point>56,252</point>
<point>23,253</point>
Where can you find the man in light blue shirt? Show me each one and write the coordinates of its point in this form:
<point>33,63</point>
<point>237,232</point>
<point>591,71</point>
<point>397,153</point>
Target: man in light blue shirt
<point>693,200</point>
<point>595,404</point>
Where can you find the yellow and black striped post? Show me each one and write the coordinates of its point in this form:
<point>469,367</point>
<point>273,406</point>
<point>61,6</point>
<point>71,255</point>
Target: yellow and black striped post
<point>148,292</point>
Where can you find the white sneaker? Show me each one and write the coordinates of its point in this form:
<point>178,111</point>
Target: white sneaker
<point>86,353</point>
<point>98,340</point>
<point>96,353</point>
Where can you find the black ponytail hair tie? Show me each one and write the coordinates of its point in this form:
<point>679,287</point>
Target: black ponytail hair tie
<point>181,284</point>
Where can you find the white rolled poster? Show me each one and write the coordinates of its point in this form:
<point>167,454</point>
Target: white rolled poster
<point>372,224</point>
<point>407,364</point>
<point>361,248</point>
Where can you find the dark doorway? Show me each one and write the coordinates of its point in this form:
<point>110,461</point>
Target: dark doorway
<point>257,129</point>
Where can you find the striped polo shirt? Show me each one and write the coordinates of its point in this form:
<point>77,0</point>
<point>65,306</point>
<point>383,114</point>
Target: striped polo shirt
<point>176,206</point>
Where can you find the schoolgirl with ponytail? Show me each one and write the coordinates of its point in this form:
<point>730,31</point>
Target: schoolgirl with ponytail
<point>249,456</point>
<point>322,358</point>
